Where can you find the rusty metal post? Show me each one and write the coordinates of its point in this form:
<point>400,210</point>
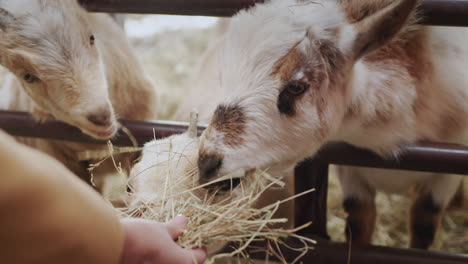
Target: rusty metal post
<point>313,206</point>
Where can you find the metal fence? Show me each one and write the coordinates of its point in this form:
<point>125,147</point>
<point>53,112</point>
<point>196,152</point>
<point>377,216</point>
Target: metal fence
<point>437,12</point>
<point>313,173</point>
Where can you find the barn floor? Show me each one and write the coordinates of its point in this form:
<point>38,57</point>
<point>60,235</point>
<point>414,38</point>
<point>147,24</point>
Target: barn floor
<point>169,58</point>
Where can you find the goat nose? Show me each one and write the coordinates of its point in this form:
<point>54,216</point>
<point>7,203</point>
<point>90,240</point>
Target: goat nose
<point>208,165</point>
<point>102,118</point>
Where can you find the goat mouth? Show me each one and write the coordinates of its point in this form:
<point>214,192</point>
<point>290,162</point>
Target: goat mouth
<point>227,182</point>
<point>224,186</point>
<point>104,133</point>
<point>101,134</point>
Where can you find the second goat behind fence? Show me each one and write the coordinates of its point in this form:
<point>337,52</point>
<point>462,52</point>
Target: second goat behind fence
<point>74,66</point>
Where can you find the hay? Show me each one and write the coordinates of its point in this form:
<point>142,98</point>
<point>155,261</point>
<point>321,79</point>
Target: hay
<point>215,221</point>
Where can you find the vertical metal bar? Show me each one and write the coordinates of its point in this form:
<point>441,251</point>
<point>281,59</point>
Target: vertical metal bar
<point>312,207</point>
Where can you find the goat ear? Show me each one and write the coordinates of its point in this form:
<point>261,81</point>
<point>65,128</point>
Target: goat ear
<point>379,28</point>
<point>5,19</point>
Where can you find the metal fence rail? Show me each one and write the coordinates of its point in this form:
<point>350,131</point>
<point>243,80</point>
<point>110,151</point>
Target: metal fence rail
<point>431,157</point>
<point>22,124</point>
<point>437,12</point>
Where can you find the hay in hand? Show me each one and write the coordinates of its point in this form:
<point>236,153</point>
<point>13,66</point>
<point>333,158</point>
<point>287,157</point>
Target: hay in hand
<point>165,184</point>
<point>215,219</point>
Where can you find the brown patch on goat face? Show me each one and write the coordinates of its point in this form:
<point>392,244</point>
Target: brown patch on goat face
<point>231,121</point>
<point>425,218</point>
<point>333,71</point>
<point>284,70</point>
<point>335,62</point>
<point>323,68</point>
<point>287,65</point>
<point>360,223</point>
<point>16,63</point>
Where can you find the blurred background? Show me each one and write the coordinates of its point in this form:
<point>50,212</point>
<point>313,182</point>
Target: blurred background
<point>169,47</point>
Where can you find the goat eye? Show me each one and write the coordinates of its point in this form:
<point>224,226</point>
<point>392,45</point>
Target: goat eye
<point>29,78</point>
<point>296,88</point>
<point>92,39</point>
<point>289,95</point>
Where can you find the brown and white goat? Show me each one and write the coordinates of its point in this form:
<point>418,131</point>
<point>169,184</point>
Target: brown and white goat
<point>297,74</point>
<point>71,65</point>
<point>205,94</point>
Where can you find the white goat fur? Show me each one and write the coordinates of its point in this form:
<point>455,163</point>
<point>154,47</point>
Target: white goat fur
<point>409,88</point>
<point>50,39</point>
<point>164,162</point>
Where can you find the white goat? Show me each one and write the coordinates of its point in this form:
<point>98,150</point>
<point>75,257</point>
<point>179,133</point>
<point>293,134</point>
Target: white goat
<point>72,65</point>
<point>297,74</point>
<point>168,168</point>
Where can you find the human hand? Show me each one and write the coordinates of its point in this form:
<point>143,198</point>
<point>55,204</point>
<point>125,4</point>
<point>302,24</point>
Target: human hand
<point>148,242</point>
